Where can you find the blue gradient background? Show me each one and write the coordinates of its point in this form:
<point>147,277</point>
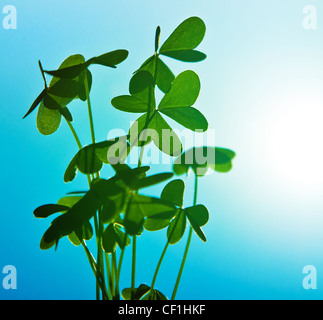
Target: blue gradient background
<point>262,91</point>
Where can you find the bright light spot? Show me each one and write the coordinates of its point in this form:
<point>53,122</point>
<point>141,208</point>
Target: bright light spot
<point>295,141</point>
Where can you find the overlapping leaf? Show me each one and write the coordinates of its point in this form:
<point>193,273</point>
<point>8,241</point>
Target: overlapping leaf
<point>71,80</point>
<point>91,158</point>
<point>203,158</point>
<point>112,237</point>
<point>172,193</point>
<point>110,59</point>
<point>76,218</point>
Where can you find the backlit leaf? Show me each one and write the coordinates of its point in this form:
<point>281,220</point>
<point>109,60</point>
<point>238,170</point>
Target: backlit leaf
<point>184,91</point>
<point>47,121</point>
<point>202,158</point>
<point>188,35</point>
<point>188,117</point>
<point>186,55</point>
<point>176,228</point>
<point>174,192</point>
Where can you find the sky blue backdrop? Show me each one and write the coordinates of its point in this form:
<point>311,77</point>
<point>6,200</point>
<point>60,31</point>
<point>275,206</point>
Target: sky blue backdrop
<point>262,91</point>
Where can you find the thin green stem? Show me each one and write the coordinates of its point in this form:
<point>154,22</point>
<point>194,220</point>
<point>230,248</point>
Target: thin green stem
<point>74,134</point>
<point>110,279</point>
<point>89,108</point>
<point>89,255</point>
<point>133,267</point>
<point>114,263</point>
<point>95,270</point>
<point>187,245</point>
<point>158,266</point>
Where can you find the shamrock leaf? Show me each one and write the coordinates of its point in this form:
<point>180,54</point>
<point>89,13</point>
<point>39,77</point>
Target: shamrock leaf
<point>203,158</point>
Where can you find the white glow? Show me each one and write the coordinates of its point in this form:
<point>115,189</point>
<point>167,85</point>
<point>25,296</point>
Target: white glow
<point>294,138</point>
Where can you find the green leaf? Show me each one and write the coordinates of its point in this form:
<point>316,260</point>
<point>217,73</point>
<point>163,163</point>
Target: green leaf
<point>202,158</point>
<point>47,121</point>
<point>159,221</point>
<point>129,104</point>
<point>186,55</point>
<point>52,107</point>
<point>85,232</point>
<point>69,201</point>
<point>153,208</point>
<point>70,72</point>
<point>134,219</point>
<point>65,88</point>
<point>164,136</point>
<point>188,35</point>
<point>176,228</point>
<point>198,213</point>
<point>110,59</point>
<point>188,117</point>
<point>137,136</point>
<point>52,104</point>
<point>90,158</point>
<point>35,103</point>
<point>87,161</point>
<point>164,77</point>
<point>81,84</point>
<point>81,212</point>
<point>48,209</point>
<point>151,180</point>
<point>155,295</point>
<point>198,216</point>
<point>184,91</point>
<point>138,293</point>
<point>141,86</point>
<point>174,192</point>
<point>109,242</point>
<point>121,238</point>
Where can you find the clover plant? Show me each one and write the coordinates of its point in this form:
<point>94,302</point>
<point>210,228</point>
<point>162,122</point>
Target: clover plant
<point>114,211</point>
